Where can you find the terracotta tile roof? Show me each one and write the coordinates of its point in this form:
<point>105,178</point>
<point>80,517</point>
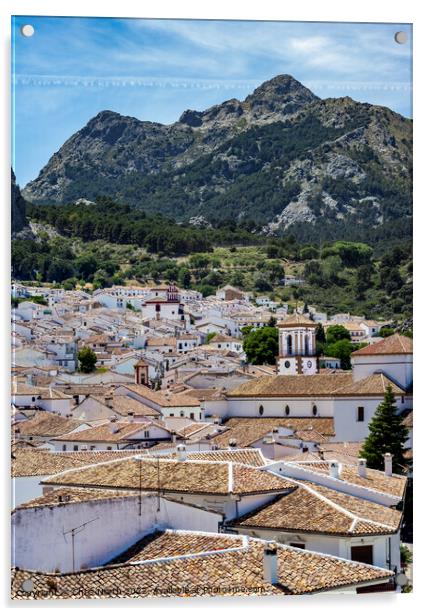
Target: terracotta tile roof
<point>316,509</point>
<point>164,397</point>
<point>375,384</point>
<point>249,430</point>
<point>408,418</point>
<point>198,477</point>
<point>125,404</point>
<point>206,394</point>
<point>104,432</point>
<point>375,480</point>
<point>296,385</point>
<point>296,320</point>
<point>44,423</point>
<point>234,571</point>
<point>161,342</point>
<point>332,384</point>
<point>65,496</point>
<point>46,393</point>
<point>42,463</point>
<point>223,338</point>
<point>392,345</point>
<point>250,457</point>
<point>84,390</point>
<point>163,544</point>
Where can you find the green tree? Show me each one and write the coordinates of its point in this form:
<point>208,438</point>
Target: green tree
<point>343,350</point>
<point>184,278</point>
<point>210,336</point>
<point>386,435</point>
<point>335,333</point>
<point>320,339</point>
<point>87,359</point>
<point>261,345</point>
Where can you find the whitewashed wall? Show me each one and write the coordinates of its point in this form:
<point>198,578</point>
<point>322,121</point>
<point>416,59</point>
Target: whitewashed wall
<point>397,367</point>
<point>39,542</point>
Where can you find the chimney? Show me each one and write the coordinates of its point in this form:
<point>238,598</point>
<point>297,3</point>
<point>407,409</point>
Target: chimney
<point>334,469</point>
<point>388,464</point>
<point>113,428</point>
<point>270,572</point>
<point>232,443</point>
<point>131,416</point>
<point>362,467</point>
<point>181,453</point>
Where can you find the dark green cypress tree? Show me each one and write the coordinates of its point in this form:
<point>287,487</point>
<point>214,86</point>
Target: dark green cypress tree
<point>386,435</point>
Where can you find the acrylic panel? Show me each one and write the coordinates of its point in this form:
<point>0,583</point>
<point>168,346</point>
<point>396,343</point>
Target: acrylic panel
<point>211,308</point>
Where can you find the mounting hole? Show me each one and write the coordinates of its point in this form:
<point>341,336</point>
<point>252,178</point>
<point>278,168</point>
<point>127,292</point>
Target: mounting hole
<point>27,585</point>
<point>400,37</point>
<point>27,30</point>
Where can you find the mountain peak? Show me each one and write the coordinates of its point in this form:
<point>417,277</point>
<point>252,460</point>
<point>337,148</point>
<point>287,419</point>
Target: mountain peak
<point>282,94</point>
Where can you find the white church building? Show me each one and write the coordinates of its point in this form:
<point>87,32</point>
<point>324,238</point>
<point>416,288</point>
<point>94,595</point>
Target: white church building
<point>350,398</point>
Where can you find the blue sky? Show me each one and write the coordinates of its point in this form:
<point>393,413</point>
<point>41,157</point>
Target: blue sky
<point>72,68</point>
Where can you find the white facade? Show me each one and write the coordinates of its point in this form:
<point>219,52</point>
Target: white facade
<point>386,548</point>
<point>297,349</point>
<point>398,367</point>
<point>39,541</point>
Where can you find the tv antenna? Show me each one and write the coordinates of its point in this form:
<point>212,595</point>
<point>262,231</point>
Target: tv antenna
<point>75,531</point>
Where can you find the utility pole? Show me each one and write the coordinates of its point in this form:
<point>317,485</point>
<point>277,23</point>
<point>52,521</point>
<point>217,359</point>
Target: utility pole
<point>73,532</point>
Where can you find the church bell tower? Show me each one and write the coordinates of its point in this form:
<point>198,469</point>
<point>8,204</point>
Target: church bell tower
<point>297,346</point>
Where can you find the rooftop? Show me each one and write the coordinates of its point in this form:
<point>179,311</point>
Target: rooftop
<point>375,480</point>
<point>165,475</point>
<point>44,423</point>
<point>392,345</point>
<point>197,569</point>
<point>248,430</point>
<point>332,384</point>
<point>316,509</point>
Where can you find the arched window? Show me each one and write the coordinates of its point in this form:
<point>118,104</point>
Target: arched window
<point>287,409</point>
<point>314,409</point>
<point>260,410</point>
<point>289,344</point>
<point>306,345</point>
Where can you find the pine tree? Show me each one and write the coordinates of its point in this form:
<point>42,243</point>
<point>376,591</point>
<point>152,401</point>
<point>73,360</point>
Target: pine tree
<point>386,435</point>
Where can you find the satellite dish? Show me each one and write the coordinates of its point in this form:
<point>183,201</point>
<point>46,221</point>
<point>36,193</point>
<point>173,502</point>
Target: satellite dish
<point>401,579</point>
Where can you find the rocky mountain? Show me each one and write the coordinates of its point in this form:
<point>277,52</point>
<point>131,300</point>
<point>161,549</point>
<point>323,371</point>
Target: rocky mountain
<point>280,158</point>
<point>18,219</point>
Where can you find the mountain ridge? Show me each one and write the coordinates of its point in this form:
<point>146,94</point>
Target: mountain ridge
<point>280,157</point>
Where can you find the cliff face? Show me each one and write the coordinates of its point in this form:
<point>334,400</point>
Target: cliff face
<point>18,207</point>
<point>282,156</point>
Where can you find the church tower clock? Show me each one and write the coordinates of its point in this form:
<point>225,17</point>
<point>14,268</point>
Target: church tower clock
<point>297,346</point>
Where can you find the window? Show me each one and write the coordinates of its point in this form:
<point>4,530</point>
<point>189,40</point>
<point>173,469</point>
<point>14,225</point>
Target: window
<point>402,399</point>
<point>289,344</point>
<point>64,447</point>
<point>314,409</point>
<point>301,546</point>
<point>360,414</point>
<point>92,447</point>
<point>287,409</point>
<point>109,448</point>
<point>287,364</point>
<point>182,414</point>
<point>261,409</point>
<point>146,434</point>
<point>192,415</point>
<point>362,554</point>
<point>75,448</point>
